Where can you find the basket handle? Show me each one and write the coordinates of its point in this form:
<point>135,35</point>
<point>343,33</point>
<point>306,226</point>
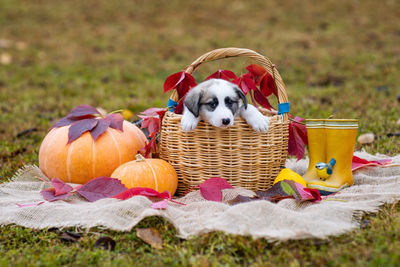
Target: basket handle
<point>239,52</point>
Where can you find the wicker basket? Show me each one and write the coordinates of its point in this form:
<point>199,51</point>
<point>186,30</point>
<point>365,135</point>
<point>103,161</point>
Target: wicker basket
<point>239,154</point>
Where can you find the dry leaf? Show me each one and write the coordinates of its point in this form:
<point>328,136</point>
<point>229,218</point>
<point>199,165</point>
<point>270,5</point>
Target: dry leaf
<point>367,138</point>
<point>151,236</point>
<point>398,122</point>
<point>105,242</point>
<point>5,59</point>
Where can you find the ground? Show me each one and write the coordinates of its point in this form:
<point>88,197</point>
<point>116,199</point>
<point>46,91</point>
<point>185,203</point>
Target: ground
<point>337,58</point>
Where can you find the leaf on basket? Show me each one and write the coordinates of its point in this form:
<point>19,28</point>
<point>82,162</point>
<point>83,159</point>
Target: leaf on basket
<point>297,138</point>
<point>211,188</point>
<point>101,187</point>
<point>181,81</point>
<point>262,100</point>
<point>246,83</point>
<point>268,86</point>
<point>257,72</point>
<point>222,74</point>
<point>358,163</point>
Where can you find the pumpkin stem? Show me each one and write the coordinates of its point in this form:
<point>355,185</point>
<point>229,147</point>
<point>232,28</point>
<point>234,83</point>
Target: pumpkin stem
<point>139,157</point>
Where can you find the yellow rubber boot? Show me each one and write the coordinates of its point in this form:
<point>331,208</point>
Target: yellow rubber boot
<point>340,142</point>
<point>316,147</point>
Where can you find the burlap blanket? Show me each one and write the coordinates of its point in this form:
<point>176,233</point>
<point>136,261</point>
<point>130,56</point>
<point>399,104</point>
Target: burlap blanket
<point>287,219</point>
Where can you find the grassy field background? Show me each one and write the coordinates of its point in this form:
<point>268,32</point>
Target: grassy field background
<point>337,58</point>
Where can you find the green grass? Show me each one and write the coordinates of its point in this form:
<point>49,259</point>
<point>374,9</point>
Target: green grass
<point>332,55</point>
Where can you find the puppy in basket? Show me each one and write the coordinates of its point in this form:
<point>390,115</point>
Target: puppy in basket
<point>218,102</point>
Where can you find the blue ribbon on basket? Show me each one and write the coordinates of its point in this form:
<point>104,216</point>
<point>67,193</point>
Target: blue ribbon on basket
<point>172,105</point>
<point>283,108</point>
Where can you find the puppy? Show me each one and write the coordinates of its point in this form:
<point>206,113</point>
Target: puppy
<point>218,102</point>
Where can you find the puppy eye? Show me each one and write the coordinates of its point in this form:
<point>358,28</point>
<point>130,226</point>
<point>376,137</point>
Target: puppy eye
<point>212,104</point>
<point>229,102</point>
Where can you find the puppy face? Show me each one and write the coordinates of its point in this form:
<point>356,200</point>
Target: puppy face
<point>216,101</point>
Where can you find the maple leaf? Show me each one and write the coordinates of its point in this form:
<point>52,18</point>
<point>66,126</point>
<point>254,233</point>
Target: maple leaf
<point>101,187</point>
<point>245,82</point>
<point>82,111</point>
<point>222,74</point>
<point>181,81</point>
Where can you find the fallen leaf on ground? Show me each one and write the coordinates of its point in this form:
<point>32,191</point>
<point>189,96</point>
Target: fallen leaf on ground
<point>151,236</point>
<point>105,242</point>
<point>70,236</point>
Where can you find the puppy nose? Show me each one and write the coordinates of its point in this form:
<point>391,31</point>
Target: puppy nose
<point>226,121</point>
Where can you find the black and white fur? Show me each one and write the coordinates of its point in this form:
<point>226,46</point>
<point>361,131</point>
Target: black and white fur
<point>218,102</point>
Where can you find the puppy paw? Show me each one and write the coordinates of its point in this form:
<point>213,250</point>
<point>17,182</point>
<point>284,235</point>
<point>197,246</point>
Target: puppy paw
<point>259,123</point>
<point>188,124</point>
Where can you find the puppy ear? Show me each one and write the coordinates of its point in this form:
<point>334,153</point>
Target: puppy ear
<point>241,95</point>
<point>192,101</point>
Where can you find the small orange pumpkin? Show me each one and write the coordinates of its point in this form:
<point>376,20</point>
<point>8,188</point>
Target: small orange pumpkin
<point>151,173</point>
<point>85,159</point>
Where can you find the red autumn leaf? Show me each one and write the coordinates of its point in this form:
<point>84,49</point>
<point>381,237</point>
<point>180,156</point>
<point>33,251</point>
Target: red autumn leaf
<point>149,147</point>
<point>262,100</point>
<point>60,188</point>
<point>161,114</point>
<point>101,187</point>
<point>181,81</point>
<point>79,127</point>
<point>257,72</point>
<point>315,193</point>
<point>152,111</point>
<point>358,163</point>
<point>173,80</point>
<point>116,121</point>
<point>301,129</point>
<point>179,107</point>
<point>296,146</point>
<point>82,111</point>
<point>222,74</point>
<point>151,123</point>
<point>100,128</point>
<point>142,191</point>
<point>49,195</point>
<point>245,83</point>
<point>211,188</point>
<point>268,86</point>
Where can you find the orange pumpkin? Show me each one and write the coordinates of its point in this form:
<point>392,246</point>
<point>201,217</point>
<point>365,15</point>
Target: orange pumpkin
<point>151,173</point>
<point>84,158</point>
